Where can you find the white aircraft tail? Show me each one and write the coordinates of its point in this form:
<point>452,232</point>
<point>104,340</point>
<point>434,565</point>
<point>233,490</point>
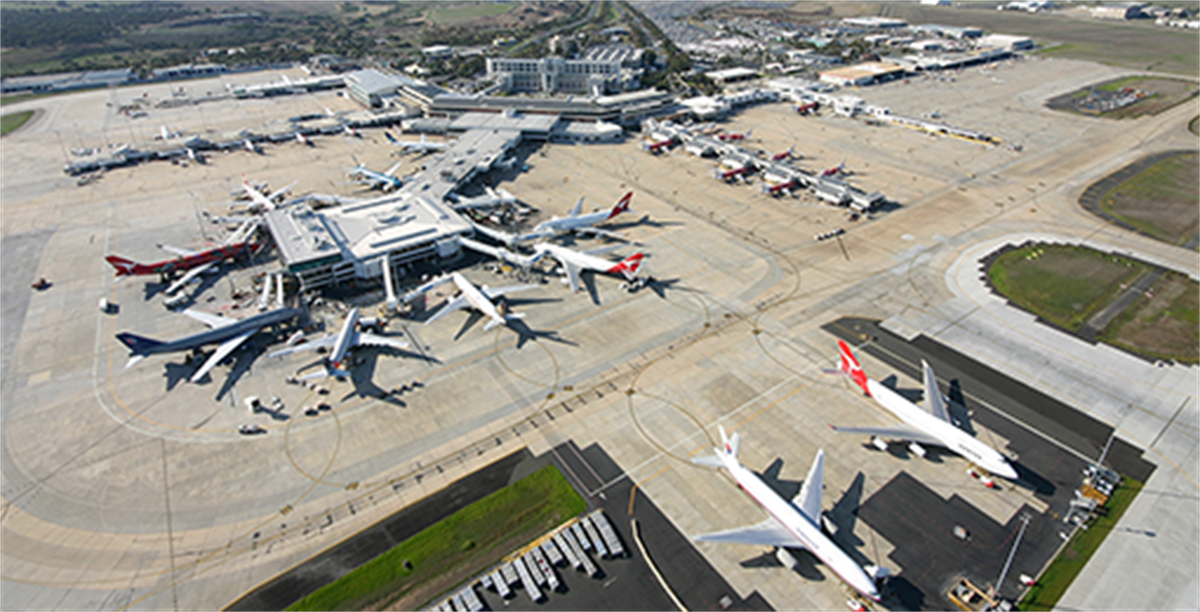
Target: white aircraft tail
<point>508,317</point>
<point>578,208</point>
<point>729,447</point>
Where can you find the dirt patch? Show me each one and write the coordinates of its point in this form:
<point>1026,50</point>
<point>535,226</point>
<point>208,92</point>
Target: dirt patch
<point>1143,95</point>
<point>1163,323</point>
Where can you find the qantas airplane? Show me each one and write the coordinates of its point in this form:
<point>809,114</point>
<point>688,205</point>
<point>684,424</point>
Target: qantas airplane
<point>580,223</point>
<point>781,188</point>
<point>659,146</point>
<point>805,108</point>
<point>230,333</point>
<point>836,170</point>
<point>193,262</point>
<point>575,262</point>
<point>784,155</point>
<point>923,427</point>
<point>791,525</point>
<point>479,298</point>
<point>732,137</point>
<point>339,345</point>
<point>421,146</point>
<point>733,174</point>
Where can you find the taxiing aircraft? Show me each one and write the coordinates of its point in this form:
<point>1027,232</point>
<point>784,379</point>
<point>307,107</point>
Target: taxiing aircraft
<point>733,136</point>
<point>791,525</point>
<point>383,181</point>
<point>575,262</point>
<point>836,170</point>
<point>784,155</point>
<point>922,427</point>
<point>581,223</point>
<point>227,332</point>
<point>339,345</point>
<point>482,299</point>
<point>420,146</point>
<point>188,260</point>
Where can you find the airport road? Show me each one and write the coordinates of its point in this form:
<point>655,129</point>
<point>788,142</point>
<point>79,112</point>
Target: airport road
<point>130,489</point>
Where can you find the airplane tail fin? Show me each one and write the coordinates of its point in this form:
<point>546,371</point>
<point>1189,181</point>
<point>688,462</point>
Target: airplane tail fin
<point>729,444</point>
<point>622,205</point>
<point>140,345</point>
<point>578,207</point>
<point>630,266</point>
<point>389,137</point>
<point>124,266</point>
<point>851,367</point>
<point>749,132</point>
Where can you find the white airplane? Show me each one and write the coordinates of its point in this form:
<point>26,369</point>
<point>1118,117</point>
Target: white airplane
<point>479,298</point>
<point>575,262</point>
<point>502,254</point>
<point>251,147</point>
<point>580,223</point>
<point>260,202</point>
<point>421,146</point>
<point>339,345</point>
<point>923,427</point>
<point>493,197</point>
<point>383,181</point>
<point>791,525</point>
<point>304,140</point>
<point>165,133</point>
<point>239,236</point>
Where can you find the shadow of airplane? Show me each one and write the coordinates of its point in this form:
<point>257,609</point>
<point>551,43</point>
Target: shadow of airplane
<point>786,489</point>
<point>912,395</point>
<point>806,563</point>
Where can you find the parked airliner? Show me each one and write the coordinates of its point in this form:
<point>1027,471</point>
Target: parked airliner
<point>339,345</point>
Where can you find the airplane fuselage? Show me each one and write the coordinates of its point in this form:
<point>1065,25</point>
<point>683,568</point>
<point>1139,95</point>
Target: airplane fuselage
<point>950,436</point>
<point>181,263</point>
<point>478,300</point>
<point>801,528</point>
<point>220,334</point>
<point>345,340</point>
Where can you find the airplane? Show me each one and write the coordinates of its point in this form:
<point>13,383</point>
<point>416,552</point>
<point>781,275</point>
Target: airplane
<point>384,181</point>
<point>791,525</point>
<point>207,257</point>
<point>229,332</point>
<point>339,345</point>
<point>784,187</point>
<point>195,155</point>
<point>929,427</point>
<point>349,130</point>
<point>479,298</point>
<point>836,170</point>
<point>241,235</point>
<point>805,108</point>
<point>582,224</point>
<point>421,146</point>
<point>251,147</point>
<point>492,197</point>
<point>658,146</point>
<point>784,155</point>
<point>733,174</point>
<point>165,133</point>
<point>260,202</point>
<point>304,140</point>
<point>574,262</point>
<point>501,254</point>
<point>732,137</point>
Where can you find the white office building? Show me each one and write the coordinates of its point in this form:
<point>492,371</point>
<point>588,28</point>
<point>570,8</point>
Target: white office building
<point>594,77</point>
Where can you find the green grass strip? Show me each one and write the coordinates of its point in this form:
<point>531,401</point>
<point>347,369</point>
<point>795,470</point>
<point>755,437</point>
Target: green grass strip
<point>12,121</point>
<point>1070,561</point>
<point>541,500</point>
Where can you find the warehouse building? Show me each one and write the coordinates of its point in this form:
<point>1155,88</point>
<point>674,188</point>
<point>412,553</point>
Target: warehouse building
<point>867,73</point>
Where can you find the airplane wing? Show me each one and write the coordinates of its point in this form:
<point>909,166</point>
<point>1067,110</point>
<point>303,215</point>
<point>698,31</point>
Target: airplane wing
<point>937,404</point>
<point>808,501</point>
<point>391,171</point>
<point>369,339</point>
<point>572,274</point>
<point>221,353</point>
<point>187,277</point>
<point>766,533</point>
<point>177,250</point>
<point>604,249</point>
<point>457,303</point>
<point>326,342</point>
<point>493,293</point>
<point>603,233</point>
<point>211,320</point>
<point>893,433</point>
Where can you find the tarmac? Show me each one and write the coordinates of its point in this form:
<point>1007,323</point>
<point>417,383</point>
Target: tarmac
<point>130,488</point>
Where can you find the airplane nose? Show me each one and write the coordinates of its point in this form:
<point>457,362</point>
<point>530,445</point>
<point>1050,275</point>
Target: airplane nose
<point>1006,470</point>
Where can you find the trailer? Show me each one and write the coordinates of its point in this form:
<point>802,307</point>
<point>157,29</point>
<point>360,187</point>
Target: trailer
<point>595,536</point>
<point>527,581</point>
<point>608,533</point>
<point>552,553</point>
<point>560,541</point>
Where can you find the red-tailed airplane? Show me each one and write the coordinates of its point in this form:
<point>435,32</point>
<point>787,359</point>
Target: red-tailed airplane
<point>659,146</point>
<point>168,267</point>
<point>836,170</point>
<point>302,139</point>
<point>730,137</point>
<point>784,155</point>
<point>785,187</point>
<point>805,108</point>
<point>733,174</point>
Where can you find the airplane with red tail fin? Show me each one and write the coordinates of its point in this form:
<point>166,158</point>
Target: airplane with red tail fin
<point>576,262</point>
<point>733,136</point>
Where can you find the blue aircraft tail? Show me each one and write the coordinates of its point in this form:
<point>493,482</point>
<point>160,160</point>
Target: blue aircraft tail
<point>140,345</point>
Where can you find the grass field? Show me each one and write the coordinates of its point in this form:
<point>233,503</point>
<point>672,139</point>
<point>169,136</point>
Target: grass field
<point>1062,571</point>
<point>1162,200</point>
<point>1166,326</point>
<point>12,121</point>
<point>1139,45</point>
<point>454,548</point>
<point>1063,284</point>
<point>451,13</point>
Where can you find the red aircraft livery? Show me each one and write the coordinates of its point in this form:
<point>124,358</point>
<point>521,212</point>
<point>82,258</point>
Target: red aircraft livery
<point>126,267</point>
